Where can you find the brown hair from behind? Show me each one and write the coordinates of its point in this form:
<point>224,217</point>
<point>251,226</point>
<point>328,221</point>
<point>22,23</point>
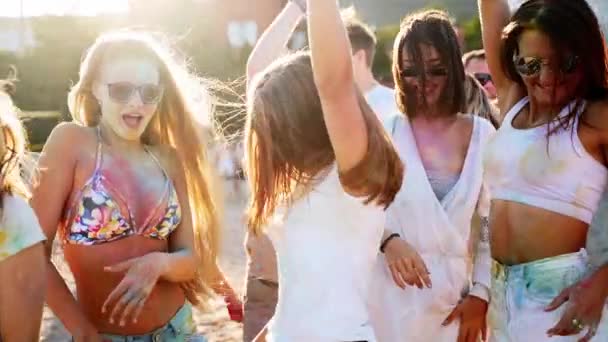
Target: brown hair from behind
<point>287,145</point>
<point>432,27</point>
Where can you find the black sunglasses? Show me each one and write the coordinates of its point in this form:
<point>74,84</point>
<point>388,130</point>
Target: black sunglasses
<point>122,92</point>
<point>483,78</point>
<point>430,72</point>
<point>531,66</point>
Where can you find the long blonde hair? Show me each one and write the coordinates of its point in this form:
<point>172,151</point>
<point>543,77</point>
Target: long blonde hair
<point>287,145</point>
<point>174,125</point>
<point>15,142</point>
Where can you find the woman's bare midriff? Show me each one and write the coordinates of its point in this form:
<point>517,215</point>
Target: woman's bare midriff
<point>521,233</point>
<point>93,284</point>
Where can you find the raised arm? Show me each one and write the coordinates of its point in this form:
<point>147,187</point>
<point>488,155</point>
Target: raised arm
<point>273,42</point>
<point>494,16</point>
<point>333,73</point>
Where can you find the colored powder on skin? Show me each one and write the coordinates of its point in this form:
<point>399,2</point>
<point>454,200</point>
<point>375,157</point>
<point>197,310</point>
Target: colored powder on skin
<point>142,199</point>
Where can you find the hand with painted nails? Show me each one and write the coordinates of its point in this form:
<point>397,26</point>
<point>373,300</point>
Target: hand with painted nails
<point>406,265</point>
<point>128,298</point>
<point>471,313</point>
<point>585,303</point>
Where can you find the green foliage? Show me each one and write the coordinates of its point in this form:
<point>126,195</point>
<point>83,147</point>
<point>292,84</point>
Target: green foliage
<point>472,34</point>
<point>383,61</point>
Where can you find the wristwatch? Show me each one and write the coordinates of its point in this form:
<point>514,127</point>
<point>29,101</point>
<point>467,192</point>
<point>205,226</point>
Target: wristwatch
<point>301,4</point>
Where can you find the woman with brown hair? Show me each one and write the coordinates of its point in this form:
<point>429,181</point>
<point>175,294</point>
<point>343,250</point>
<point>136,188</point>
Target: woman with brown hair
<point>428,236</point>
<point>546,169</point>
<point>319,162</point>
<point>126,188</point>
<point>22,261</point>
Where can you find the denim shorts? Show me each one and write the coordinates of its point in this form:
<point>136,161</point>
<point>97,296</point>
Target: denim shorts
<point>521,292</point>
<point>179,329</point>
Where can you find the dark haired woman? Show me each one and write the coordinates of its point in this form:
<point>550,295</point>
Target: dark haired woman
<point>546,168</point>
<point>428,233</point>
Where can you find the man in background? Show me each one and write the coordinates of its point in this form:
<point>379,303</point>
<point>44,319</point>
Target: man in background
<point>476,65</point>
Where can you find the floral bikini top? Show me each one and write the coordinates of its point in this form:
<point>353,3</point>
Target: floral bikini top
<point>97,214</point>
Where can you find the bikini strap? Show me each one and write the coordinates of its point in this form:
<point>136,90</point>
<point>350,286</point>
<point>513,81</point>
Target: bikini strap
<point>99,152</point>
<point>510,115</point>
<point>153,156</point>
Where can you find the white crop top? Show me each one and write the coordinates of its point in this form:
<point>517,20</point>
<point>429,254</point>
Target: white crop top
<point>557,174</point>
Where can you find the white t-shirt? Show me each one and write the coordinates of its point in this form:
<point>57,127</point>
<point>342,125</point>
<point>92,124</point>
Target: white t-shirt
<point>382,100</point>
<point>327,246</point>
<point>19,228</point>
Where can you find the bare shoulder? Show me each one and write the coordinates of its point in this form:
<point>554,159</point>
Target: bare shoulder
<point>596,115</point>
<point>69,139</point>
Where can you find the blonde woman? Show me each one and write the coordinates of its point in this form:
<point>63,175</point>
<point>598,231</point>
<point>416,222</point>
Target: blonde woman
<point>21,251</point>
<point>126,189</point>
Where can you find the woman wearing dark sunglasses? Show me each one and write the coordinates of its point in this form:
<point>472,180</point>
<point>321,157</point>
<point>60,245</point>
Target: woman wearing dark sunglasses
<point>546,169</point>
<point>126,188</point>
<point>428,230</point>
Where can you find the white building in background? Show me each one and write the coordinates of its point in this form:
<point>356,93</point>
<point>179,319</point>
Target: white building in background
<point>16,35</point>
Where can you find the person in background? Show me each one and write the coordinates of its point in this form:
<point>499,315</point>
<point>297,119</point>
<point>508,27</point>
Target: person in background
<point>476,65</point>
<point>477,101</point>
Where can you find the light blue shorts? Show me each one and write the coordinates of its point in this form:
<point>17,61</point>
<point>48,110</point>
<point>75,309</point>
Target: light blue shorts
<point>521,292</point>
<point>179,329</point>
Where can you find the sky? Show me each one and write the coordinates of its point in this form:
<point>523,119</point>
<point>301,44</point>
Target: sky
<point>12,8</point>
